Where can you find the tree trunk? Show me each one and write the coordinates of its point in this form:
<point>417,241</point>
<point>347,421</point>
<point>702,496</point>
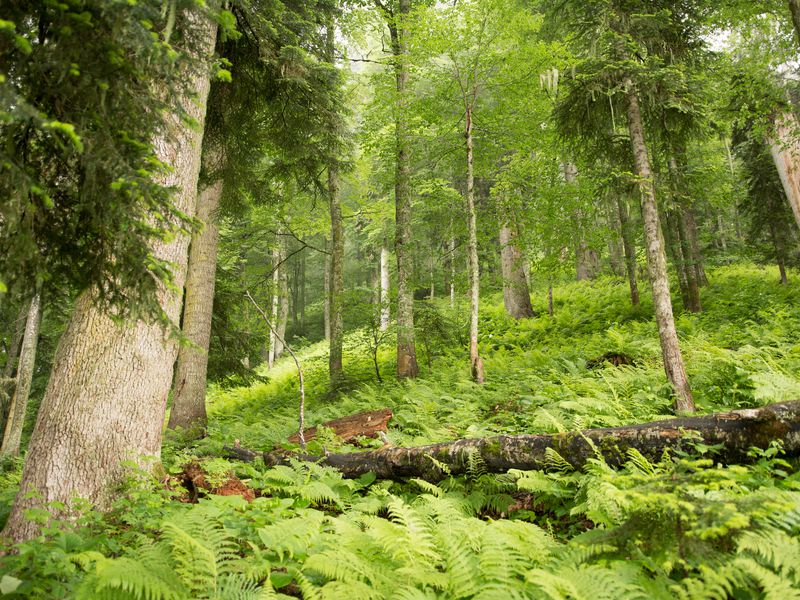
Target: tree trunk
<point>550,310</point>
<point>629,247</point>
<point>326,284</point>
<point>794,7</point>
<point>277,267</point>
<point>302,286</point>
<point>336,289</point>
<point>516,295</point>
<point>737,431</point>
<point>106,397</point>
<point>189,395</point>
<point>476,361</point>
<point>673,248</point>
<point>688,265</point>
<point>780,257</point>
<point>406,351</point>
<point>452,272</point>
<point>22,388</point>
<point>16,340</point>
<point>785,152</point>
<point>694,245</point>
<point>656,260</point>
<point>364,424</point>
<point>386,309</point>
<point>283,310</point>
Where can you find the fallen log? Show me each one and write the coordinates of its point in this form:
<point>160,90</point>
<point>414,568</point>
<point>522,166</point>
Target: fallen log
<point>366,424</point>
<point>737,431</point>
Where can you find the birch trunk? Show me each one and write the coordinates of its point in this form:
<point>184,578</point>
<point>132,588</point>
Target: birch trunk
<point>452,272</point>
<point>386,309</point>
<point>629,247</point>
<point>656,259</point>
<point>276,292</point>
<point>406,348</point>
<point>476,362</point>
<point>106,398</point>
<point>189,395</point>
<point>785,151</point>
<point>283,312</point>
<point>22,388</point>
<point>516,295</point>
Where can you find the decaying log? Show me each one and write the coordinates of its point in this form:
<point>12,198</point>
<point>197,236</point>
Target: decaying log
<point>366,424</point>
<point>737,431</point>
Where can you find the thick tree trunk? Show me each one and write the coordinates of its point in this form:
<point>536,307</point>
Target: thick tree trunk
<point>476,361</point>
<point>386,309</point>
<point>656,260</point>
<point>189,394</point>
<point>12,435</point>
<point>794,7</point>
<point>516,295</point>
<point>106,398</point>
<point>336,289</point>
<point>406,350</point>
<point>785,151</point>
<point>737,431</point>
<point>629,247</point>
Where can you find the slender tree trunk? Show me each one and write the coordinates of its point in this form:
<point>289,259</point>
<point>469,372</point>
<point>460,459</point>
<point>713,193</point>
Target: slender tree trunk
<point>302,286</point>
<point>673,247</point>
<point>785,152</point>
<point>326,284</point>
<point>106,397</point>
<point>688,265</point>
<point>277,267</point>
<point>694,244</point>
<point>336,289</point>
<point>629,247</point>
<point>656,259</point>
<point>452,272</point>
<point>516,295</point>
<point>189,394</point>
<point>406,350</point>
<point>22,388</point>
<point>386,309</point>
<point>283,315</point>
<point>550,310</point>
<point>16,340</point>
<point>476,362</point>
<point>780,256</point>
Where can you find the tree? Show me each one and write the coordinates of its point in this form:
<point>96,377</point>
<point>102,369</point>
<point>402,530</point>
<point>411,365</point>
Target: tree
<point>107,394</point>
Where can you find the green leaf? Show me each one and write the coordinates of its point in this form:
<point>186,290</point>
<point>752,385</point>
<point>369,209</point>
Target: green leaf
<point>9,584</point>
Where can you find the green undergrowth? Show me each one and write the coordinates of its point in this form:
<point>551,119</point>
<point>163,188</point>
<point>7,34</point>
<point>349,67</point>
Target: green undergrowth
<point>682,527</point>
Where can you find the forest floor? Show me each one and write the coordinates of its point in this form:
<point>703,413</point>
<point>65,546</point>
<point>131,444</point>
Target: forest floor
<point>682,527</point>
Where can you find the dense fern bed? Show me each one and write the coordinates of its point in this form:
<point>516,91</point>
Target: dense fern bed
<point>681,527</point>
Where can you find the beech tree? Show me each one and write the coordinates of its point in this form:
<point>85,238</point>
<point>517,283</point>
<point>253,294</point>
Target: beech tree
<point>108,390</point>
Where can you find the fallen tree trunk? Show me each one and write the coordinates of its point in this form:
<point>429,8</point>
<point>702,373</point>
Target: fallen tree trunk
<point>366,424</point>
<point>737,431</point>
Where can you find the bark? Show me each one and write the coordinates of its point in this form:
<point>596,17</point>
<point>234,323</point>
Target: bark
<point>189,395</point>
<point>386,309</point>
<point>587,261</point>
<point>629,247</point>
<point>22,387</point>
<point>106,397</point>
<point>336,289</point>
<point>673,248</point>
<point>694,245</point>
<point>794,7</point>
<point>550,310</point>
<point>656,259</point>
<point>364,424</point>
<point>326,284</point>
<point>406,349</point>
<point>302,286</point>
<point>785,151</point>
<point>516,295</point>
<point>283,313</point>
<point>276,301</point>
<point>780,256</point>
<point>16,340</point>
<point>738,431</point>
<point>476,361</point>
<point>688,265</point>
<point>452,272</point>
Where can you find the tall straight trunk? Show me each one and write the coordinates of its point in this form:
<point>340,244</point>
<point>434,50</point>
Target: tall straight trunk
<point>673,247</point>
<point>452,271</point>
<point>336,284</point>
<point>106,397</point>
<point>386,309</point>
<point>656,259</point>
<point>794,7</point>
<point>785,150</point>
<point>476,362</point>
<point>22,388</point>
<point>694,245</point>
<point>326,287</point>
<point>516,295</point>
<point>277,267</point>
<point>737,220</point>
<point>629,247</point>
<point>283,314</point>
<point>586,259</point>
<point>16,340</point>
<point>302,286</point>
<point>406,349</point>
<point>689,264</point>
<point>189,394</point>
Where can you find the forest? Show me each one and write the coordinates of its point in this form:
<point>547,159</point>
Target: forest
<point>400,299</point>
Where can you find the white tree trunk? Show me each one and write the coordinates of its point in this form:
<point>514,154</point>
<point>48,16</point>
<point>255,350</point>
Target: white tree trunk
<point>106,398</point>
<point>386,310</point>
<point>276,286</point>
<point>22,389</point>
<point>785,151</point>
<point>474,268</point>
